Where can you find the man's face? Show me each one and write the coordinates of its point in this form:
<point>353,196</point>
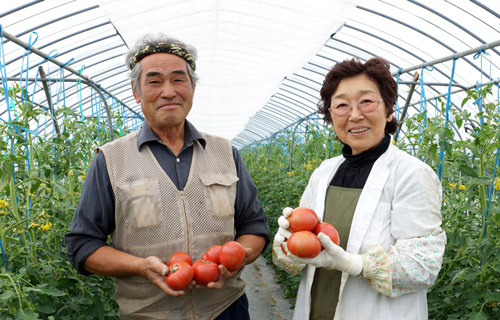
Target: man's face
<point>166,95</point>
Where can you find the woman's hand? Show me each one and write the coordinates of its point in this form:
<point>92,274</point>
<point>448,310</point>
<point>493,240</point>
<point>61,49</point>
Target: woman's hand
<point>281,236</point>
<point>333,257</point>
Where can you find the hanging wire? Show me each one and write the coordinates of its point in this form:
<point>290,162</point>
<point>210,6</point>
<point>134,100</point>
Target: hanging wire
<point>423,104</point>
<point>397,88</point>
<point>447,118</point>
<point>24,93</point>
<point>62,88</point>
<point>79,89</point>
<point>52,54</point>
<point>479,100</point>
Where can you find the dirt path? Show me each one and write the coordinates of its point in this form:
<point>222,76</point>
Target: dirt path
<point>265,296</point>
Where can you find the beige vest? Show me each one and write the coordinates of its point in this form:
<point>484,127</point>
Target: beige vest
<point>154,218</point>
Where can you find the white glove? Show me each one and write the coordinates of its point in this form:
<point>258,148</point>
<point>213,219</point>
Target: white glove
<point>282,235</point>
<point>283,223</point>
<point>333,257</point>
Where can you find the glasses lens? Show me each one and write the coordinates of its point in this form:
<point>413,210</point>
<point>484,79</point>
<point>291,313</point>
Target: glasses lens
<point>340,109</point>
<point>368,105</point>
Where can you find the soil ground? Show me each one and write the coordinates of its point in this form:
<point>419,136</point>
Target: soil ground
<point>265,296</point>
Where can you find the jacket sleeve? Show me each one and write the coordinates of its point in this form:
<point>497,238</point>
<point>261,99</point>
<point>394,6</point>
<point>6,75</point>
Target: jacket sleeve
<point>414,261</point>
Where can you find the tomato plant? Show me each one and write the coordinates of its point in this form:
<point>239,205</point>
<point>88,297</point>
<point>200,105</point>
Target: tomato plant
<point>302,219</point>
<point>205,271</point>
<point>304,244</point>
<point>180,275</point>
<point>329,230</point>
<point>232,255</point>
<point>180,256</point>
<point>213,253</point>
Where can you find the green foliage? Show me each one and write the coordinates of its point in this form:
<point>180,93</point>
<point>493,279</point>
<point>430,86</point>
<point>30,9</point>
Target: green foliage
<point>40,184</point>
<point>468,285</point>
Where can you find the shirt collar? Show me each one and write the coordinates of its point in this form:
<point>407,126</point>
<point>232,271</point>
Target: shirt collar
<point>146,134</point>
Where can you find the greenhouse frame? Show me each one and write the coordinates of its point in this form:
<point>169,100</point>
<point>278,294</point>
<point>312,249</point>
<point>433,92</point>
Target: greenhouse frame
<point>66,91</point>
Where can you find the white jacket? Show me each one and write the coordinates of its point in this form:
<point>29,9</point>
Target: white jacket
<point>399,206</point>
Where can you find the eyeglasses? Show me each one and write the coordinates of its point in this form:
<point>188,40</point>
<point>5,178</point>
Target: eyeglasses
<point>342,109</point>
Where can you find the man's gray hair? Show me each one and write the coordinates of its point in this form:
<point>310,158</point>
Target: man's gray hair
<point>153,40</point>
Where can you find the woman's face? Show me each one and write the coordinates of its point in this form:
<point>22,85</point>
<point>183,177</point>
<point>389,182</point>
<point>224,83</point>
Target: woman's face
<point>360,130</point>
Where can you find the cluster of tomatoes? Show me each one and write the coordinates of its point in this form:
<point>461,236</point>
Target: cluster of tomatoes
<point>305,227</point>
<point>182,270</point>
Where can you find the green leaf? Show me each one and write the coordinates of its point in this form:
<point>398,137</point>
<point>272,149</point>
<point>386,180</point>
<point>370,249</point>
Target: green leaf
<point>26,315</point>
<point>478,316</point>
<point>481,181</point>
<point>48,290</point>
<point>6,295</point>
<point>457,277</point>
<point>98,307</point>
<point>46,308</point>
<point>468,171</point>
<point>6,174</point>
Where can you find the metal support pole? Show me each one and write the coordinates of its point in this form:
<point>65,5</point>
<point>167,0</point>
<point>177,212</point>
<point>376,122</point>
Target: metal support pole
<point>405,109</point>
<point>448,58</point>
<point>49,100</point>
<point>99,91</point>
<point>60,64</point>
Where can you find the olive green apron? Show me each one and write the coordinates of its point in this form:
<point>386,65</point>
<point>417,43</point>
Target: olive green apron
<point>340,204</point>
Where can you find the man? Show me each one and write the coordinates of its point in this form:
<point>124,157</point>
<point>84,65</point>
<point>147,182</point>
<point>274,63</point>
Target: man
<point>162,189</point>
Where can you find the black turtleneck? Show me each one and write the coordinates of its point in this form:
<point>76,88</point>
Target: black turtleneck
<point>354,171</point>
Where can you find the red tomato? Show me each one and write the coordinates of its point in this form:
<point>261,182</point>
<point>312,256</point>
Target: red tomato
<point>205,271</point>
<point>304,244</point>
<point>180,275</point>
<point>180,256</point>
<point>232,255</point>
<point>302,219</point>
<point>329,230</point>
<point>213,253</point>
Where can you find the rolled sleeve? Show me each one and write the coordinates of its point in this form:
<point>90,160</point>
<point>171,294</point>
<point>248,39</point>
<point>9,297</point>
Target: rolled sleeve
<point>250,217</point>
<point>93,220</point>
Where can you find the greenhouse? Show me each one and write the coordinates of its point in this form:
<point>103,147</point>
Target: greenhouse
<point>261,68</point>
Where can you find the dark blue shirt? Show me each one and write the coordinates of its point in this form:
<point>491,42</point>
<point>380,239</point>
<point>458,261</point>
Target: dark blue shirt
<point>94,217</point>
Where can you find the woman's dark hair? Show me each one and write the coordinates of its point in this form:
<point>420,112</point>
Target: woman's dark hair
<point>377,69</point>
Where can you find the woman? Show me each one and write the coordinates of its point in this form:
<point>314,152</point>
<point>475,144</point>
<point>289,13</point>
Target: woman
<point>385,204</point>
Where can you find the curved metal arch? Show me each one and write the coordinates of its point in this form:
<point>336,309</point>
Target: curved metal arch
<point>279,122</point>
<point>496,14</point>
<point>452,22</point>
<point>291,79</point>
<point>258,118</point>
<point>71,50</point>
<point>119,85</point>
<point>270,111</point>
<point>284,107</point>
<point>56,20</point>
<point>309,79</point>
<point>397,46</point>
<point>20,8</point>
<point>265,113</point>
<point>297,102</point>
<point>421,32</point>
<point>294,102</point>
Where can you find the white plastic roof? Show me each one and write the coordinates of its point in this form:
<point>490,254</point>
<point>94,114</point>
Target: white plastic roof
<point>261,63</point>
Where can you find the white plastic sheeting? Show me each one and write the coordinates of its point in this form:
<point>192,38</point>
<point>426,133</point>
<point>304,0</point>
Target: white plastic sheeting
<point>261,63</point>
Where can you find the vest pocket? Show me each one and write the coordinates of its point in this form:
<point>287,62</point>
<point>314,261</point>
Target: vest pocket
<point>220,193</point>
<point>141,203</point>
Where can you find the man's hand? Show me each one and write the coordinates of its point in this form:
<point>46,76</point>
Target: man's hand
<point>333,257</point>
<point>224,274</point>
<point>153,269</point>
